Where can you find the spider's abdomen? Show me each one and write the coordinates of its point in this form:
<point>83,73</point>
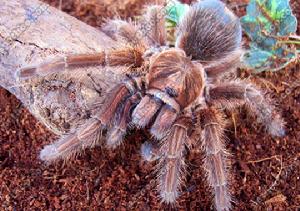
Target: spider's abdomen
<point>173,76</point>
<point>209,31</point>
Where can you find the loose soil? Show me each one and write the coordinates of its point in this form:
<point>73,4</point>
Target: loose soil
<point>265,170</point>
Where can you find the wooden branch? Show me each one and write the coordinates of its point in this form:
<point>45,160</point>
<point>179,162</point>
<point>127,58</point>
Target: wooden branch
<point>30,32</point>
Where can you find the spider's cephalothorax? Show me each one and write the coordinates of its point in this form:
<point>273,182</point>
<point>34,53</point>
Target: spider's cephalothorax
<point>179,92</point>
<point>173,83</point>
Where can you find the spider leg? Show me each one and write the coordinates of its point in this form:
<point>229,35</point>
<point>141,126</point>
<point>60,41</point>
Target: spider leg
<point>225,65</point>
<point>131,56</point>
<point>152,25</point>
<point>150,151</point>
<point>172,165</point>
<point>116,133</point>
<point>123,31</point>
<point>163,122</point>
<point>88,134</point>
<point>145,110</point>
<point>233,94</point>
<point>114,99</point>
<point>216,157</point>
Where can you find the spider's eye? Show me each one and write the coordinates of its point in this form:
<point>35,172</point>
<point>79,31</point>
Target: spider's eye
<point>171,92</point>
<point>209,31</point>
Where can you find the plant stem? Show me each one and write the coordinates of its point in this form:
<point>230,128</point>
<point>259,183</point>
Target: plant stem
<point>289,42</point>
<point>285,64</point>
<point>295,37</point>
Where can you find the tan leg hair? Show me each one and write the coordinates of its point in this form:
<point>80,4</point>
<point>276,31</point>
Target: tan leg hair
<point>117,132</point>
<point>68,145</point>
<point>145,110</point>
<point>172,165</point>
<point>153,25</point>
<point>124,32</point>
<point>215,157</point>
<point>119,57</point>
<point>87,134</point>
<point>163,122</point>
<point>237,93</point>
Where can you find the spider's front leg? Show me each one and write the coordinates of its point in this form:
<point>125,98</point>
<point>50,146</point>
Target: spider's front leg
<point>237,93</point>
<point>149,106</point>
<point>215,156</point>
<point>117,132</point>
<point>68,145</point>
<point>127,56</point>
<point>170,152</point>
<point>122,98</point>
<point>171,164</point>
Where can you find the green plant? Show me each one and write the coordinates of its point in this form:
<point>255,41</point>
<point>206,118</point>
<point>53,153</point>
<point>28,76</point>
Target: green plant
<point>174,13</point>
<point>271,27</point>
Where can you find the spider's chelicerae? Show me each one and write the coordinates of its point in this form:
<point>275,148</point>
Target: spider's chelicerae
<point>180,92</point>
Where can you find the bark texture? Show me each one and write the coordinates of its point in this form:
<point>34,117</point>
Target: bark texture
<point>32,32</point>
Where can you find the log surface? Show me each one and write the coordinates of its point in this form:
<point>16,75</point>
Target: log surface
<point>31,32</point>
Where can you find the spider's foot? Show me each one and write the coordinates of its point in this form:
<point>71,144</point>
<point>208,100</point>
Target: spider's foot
<point>115,137</point>
<point>276,128</point>
<point>49,153</point>
<point>169,197</point>
<point>25,73</point>
<point>149,152</point>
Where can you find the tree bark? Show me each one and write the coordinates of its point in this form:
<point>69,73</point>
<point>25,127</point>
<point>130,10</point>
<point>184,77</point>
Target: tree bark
<point>32,31</point>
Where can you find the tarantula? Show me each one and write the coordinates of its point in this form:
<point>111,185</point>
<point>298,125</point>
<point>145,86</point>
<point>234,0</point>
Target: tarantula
<point>179,91</point>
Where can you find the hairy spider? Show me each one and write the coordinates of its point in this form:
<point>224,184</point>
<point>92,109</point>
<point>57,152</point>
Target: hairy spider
<point>180,92</point>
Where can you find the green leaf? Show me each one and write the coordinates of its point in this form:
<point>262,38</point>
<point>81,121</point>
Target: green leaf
<point>265,22</point>
<point>274,17</point>
<point>175,11</point>
<point>257,58</point>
